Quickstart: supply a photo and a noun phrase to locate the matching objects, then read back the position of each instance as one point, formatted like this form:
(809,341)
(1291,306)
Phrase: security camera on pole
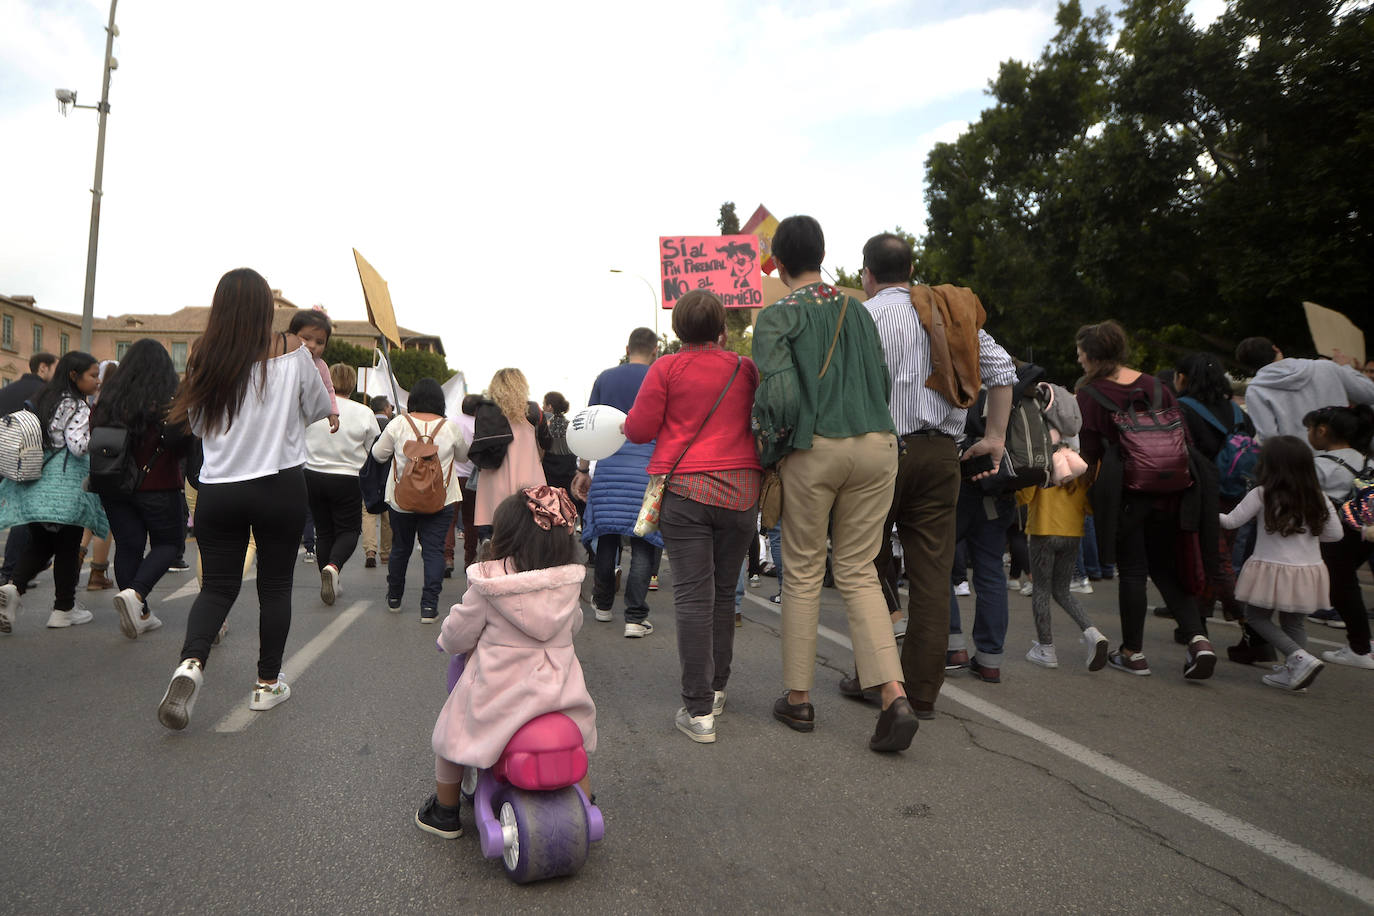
(67,97)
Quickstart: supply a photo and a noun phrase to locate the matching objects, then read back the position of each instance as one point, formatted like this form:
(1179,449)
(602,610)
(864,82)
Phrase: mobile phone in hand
(971,468)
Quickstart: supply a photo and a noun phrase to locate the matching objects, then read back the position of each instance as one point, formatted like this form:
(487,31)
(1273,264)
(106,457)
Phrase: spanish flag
(763,224)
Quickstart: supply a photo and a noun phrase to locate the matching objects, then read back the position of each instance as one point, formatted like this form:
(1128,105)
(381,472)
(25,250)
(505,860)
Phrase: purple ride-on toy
(529,809)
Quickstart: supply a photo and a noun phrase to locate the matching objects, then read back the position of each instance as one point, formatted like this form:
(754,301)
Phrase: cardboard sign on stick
(1333,334)
(727,265)
(378,299)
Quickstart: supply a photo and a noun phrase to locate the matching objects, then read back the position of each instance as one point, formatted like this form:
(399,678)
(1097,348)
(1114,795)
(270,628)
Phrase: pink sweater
(676,396)
(328,384)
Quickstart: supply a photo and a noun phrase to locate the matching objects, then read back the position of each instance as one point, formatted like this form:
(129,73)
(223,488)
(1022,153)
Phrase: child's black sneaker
(440,820)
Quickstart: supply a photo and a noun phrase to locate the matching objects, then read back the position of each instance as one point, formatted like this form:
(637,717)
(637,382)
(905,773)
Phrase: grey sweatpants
(1052,558)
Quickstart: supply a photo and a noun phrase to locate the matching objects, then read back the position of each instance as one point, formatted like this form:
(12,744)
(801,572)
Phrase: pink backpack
(1154,447)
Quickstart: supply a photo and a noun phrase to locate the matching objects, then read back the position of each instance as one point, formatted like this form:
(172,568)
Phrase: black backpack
(1027,461)
(114,471)
(491,436)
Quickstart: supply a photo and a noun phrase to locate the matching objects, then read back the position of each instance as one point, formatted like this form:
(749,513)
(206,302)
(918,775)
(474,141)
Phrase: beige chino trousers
(851,480)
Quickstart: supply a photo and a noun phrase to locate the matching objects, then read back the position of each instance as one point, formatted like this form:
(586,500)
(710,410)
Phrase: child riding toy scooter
(529,809)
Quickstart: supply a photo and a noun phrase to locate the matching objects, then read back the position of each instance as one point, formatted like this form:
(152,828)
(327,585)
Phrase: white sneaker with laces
(1081,586)
(147,624)
(1347,656)
(129,607)
(73,618)
(636,630)
(9,607)
(1303,668)
(1043,655)
(1098,647)
(605,616)
(1281,678)
(329,584)
(962,590)
(1013,585)
(1027,587)
(701,729)
(175,709)
(265,696)
(718,703)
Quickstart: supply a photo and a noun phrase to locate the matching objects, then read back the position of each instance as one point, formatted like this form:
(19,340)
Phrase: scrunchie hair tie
(550,506)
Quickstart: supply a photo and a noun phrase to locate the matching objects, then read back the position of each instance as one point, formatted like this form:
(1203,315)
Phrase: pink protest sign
(727,265)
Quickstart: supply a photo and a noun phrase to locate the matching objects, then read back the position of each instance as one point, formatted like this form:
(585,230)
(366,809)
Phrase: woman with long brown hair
(249,394)
(1137,529)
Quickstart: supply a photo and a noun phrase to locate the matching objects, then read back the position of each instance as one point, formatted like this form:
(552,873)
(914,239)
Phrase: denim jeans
(431,530)
(985,538)
(151,517)
(636,583)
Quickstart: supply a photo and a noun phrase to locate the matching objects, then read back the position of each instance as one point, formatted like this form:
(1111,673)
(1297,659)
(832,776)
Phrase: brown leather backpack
(421,487)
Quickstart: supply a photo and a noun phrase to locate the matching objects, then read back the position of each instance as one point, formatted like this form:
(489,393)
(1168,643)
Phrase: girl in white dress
(1286,575)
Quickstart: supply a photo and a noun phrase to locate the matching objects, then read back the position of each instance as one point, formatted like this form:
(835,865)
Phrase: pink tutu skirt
(1284,587)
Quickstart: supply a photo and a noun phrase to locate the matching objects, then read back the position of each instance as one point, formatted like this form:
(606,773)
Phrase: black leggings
(273,510)
(336,504)
(63,547)
(1147,544)
(1343,561)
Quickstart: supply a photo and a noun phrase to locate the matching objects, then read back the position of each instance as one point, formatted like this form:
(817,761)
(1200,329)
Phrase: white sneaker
(147,624)
(1081,586)
(701,729)
(1281,678)
(718,703)
(9,607)
(129,607)
(962,590)
(636,630)
(1303,668)
(1347,656)
(1042,655)
(1013,585)
(329,584)
(175,709)
(265,696)
(754,581)
(605,616)
(1098,647)
(899,629)
(73,618)
(1027,587)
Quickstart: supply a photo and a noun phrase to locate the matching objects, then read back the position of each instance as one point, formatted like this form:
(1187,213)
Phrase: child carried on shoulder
(515,624)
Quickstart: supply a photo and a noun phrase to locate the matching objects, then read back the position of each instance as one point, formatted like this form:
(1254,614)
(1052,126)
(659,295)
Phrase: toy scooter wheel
(544,833)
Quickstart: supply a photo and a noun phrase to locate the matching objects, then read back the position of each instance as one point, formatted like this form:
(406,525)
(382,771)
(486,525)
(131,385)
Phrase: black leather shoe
(897,725)
(800,716)
(850,687)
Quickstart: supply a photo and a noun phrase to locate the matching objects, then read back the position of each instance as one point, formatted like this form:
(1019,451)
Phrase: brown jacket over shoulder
(952,317)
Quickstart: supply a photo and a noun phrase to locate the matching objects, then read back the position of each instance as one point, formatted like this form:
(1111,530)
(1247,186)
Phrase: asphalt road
(1056,791)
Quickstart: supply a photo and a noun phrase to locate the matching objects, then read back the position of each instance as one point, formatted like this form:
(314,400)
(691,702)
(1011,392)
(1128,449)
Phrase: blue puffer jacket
(617,493)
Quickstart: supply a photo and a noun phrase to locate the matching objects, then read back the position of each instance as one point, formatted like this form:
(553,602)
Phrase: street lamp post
(66,97)
(653,294)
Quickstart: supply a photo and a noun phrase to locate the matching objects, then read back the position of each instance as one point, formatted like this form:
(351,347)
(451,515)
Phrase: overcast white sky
(492,161)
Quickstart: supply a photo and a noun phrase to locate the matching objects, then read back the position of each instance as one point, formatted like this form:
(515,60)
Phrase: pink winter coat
(520,469)
(517,629)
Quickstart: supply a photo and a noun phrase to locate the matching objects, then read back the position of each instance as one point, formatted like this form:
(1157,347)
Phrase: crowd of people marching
(873,442)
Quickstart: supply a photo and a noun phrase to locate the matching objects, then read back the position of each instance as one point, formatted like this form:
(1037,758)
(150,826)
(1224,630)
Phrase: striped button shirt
(906,347)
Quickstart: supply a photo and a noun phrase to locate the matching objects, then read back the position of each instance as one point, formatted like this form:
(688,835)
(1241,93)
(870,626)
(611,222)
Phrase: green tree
(728,221)
(1196,185)
(412,365)
(341,351)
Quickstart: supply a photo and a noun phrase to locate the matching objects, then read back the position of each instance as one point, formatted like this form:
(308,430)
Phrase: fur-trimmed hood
(538,603)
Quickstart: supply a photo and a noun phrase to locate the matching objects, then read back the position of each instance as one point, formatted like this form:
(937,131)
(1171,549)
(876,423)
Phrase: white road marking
(1332,874)
(293,667)
(193,588)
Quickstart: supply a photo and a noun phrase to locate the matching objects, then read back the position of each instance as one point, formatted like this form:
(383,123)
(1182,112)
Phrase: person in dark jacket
(1201,379)
(12,398)
(137,399)
(1143,529)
